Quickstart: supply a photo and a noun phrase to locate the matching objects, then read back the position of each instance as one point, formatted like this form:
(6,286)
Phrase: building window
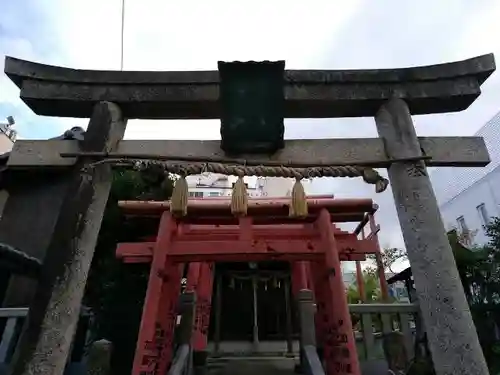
(483,214)
(462,226)
(196,194)
(213,194)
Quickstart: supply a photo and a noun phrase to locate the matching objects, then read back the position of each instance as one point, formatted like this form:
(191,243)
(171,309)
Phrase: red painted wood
(310,282)
(384,289)
(340,347)
(142,252)
(360,282)
(217,219)
(203,307)
(167,316)
(256,207)
(314,250)
(322,318)
(153,351)
(193,276)
(298,277)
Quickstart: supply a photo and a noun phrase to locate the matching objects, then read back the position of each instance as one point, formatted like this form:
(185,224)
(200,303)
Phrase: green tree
(372,288)
(391,255)
(115,291)
(479,270)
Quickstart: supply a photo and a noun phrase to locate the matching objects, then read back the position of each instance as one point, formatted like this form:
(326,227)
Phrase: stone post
(99,357)
(51,323)
(187,319)
(306,316)
(452,337)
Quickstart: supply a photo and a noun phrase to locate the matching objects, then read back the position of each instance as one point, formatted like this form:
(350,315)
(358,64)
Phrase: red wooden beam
(209,250)
(256,207)
(221,219)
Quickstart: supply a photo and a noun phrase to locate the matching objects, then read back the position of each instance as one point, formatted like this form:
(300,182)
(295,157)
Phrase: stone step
(250,365)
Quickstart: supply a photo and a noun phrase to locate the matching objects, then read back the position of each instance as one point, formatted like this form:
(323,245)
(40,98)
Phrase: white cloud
(322,34)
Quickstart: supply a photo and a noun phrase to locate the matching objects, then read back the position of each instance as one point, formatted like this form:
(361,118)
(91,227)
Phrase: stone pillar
(452,337)
(99,358)
(51,323)
(306,316)
(305,304)
(187,318)
(255,315)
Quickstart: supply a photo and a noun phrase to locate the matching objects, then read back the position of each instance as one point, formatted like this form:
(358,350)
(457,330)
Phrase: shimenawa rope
(239,198)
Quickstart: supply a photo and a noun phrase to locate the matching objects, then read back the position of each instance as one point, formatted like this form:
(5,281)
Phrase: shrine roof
(217,211)
(58,91)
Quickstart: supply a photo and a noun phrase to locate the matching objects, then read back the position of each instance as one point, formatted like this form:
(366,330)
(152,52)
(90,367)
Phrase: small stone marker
(98,362)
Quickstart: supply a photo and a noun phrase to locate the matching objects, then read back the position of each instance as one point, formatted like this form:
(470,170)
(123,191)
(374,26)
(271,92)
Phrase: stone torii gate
(109,98)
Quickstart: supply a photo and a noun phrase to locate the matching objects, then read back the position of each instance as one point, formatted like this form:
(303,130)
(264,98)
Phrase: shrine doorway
(255,302)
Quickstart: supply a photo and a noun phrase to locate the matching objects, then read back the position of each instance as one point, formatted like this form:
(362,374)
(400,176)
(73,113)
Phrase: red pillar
(321,318)
(340,347)
(310,280)
(360,281)
(193,276)
(384,289)
(299,277)
(154,344)
(203,307)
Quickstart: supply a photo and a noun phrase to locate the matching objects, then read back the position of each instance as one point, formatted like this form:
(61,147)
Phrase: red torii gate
(210,233)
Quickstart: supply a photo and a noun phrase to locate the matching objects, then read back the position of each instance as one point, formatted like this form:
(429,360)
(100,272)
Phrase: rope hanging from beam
(239,198)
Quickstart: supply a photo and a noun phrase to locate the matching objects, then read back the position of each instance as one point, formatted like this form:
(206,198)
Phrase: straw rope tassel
(298,205)
(239,198)
(179,200)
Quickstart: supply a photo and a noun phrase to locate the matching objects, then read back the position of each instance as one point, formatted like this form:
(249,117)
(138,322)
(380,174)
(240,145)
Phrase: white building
(7,135)
(217,185)
(396,290)
(469,197)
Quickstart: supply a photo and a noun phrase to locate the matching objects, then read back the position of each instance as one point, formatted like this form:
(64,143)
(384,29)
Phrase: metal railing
(11,320)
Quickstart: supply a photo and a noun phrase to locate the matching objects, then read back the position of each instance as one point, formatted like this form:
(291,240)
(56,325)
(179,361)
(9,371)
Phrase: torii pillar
(452,335)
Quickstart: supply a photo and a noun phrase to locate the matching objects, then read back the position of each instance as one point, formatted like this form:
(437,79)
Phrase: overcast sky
(194,35)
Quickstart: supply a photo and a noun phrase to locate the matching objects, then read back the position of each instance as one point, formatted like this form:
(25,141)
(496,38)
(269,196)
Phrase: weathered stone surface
(395,351)
(16,261)
(452,337)
(445,151)
(28,194)
(57,91)
(99,357)
(53,315)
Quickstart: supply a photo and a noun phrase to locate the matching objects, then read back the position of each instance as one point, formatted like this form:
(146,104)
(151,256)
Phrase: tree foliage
(115,291)
(372,289)
(391,255)
(479,270)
